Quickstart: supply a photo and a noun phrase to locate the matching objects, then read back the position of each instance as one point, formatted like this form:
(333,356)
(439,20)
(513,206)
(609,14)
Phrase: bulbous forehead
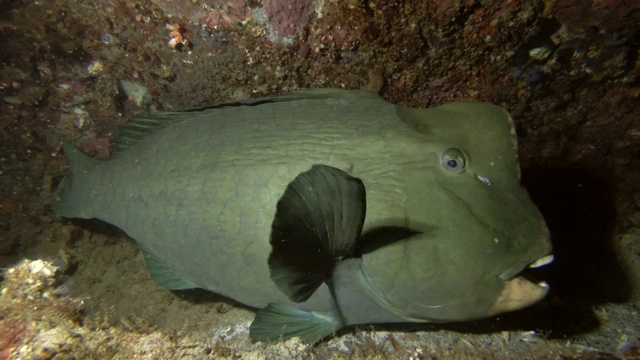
(485,133)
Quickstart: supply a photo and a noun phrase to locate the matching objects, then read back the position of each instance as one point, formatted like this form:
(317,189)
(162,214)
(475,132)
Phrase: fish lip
(519,293)
(522,290)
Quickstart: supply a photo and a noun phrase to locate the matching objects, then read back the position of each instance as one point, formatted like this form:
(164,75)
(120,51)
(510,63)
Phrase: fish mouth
(523,290)
(529,272)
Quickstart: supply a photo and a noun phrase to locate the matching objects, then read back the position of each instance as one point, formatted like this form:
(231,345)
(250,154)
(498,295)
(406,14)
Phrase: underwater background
(567,71)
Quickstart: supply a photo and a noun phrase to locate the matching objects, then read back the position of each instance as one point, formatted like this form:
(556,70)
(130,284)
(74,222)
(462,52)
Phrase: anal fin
(281,321)
(165,275)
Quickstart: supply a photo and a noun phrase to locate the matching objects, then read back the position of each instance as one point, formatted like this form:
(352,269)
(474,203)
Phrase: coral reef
(39,323)
(32,314)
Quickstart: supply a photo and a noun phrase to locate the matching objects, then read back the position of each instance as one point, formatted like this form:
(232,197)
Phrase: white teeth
(541,262)
(543,284)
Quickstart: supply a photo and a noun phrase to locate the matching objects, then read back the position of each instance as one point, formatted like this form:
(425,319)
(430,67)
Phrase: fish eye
(453,159)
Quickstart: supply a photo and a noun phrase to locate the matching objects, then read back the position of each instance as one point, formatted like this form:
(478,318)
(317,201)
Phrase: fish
(324,208)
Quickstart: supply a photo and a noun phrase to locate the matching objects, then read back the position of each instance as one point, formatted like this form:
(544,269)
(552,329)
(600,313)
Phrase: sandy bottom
(592,307)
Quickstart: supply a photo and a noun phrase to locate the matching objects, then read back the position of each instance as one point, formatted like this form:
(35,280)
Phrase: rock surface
(567,70)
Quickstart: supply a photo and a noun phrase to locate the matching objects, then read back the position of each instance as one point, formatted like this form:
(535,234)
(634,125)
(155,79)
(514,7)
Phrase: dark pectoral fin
(279,321)
(318,220)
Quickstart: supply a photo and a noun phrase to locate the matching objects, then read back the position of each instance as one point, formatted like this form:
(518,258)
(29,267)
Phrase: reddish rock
(608,15)
(226,14)
(285,17)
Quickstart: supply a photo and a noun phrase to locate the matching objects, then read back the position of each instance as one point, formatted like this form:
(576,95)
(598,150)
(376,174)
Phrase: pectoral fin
(318,221)
(280,321)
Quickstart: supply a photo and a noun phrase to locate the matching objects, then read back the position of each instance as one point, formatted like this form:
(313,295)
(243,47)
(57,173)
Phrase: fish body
(434,224)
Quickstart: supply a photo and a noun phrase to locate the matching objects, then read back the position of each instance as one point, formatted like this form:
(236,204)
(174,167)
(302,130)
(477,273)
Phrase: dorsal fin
(318,221)
(138,128)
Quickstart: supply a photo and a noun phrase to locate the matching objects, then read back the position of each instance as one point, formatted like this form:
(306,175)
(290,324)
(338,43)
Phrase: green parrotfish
(325,208)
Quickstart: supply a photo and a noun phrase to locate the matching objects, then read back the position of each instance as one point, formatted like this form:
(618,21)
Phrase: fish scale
(227,219)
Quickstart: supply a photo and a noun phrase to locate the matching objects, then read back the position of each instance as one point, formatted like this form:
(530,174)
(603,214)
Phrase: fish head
(474,228)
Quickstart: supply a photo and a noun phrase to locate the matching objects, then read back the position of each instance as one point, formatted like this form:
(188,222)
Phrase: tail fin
(73,201)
